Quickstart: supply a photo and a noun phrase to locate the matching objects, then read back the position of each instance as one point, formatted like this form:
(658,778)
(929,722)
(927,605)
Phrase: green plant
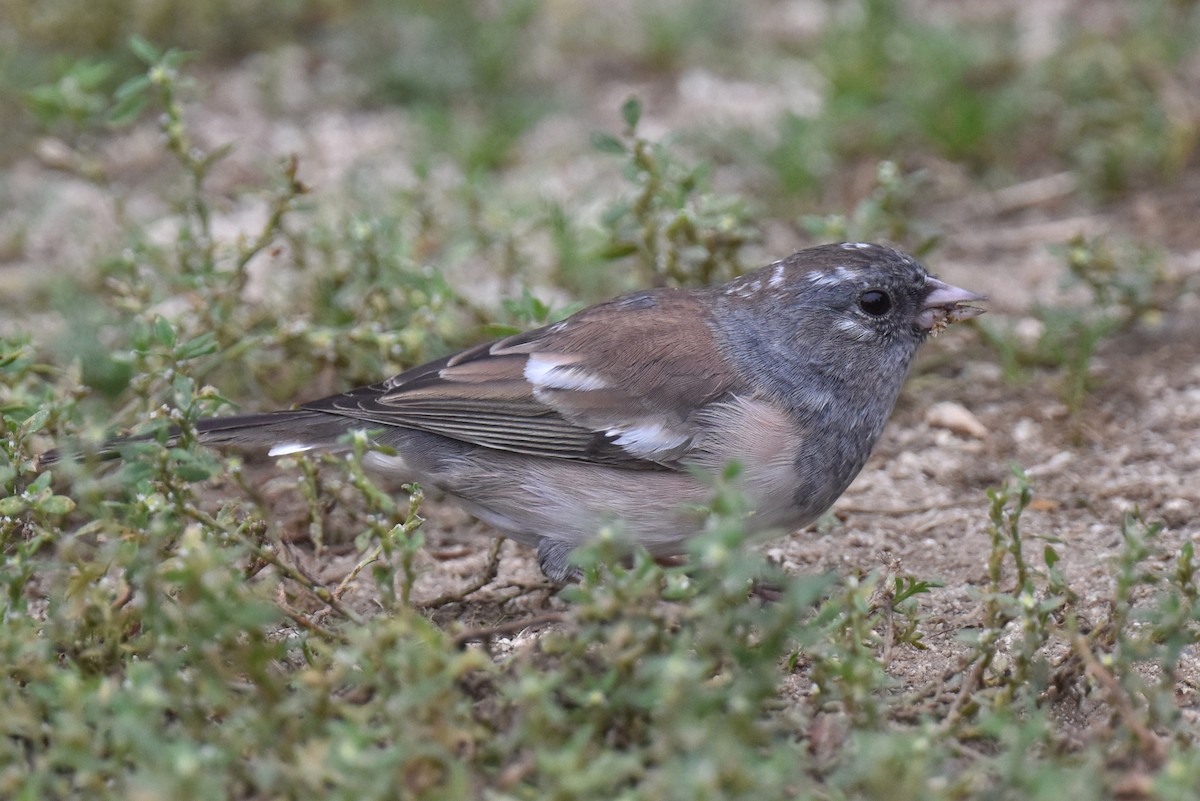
(895,82)
(1116,114)
(371,310)
(674,33)
(886,214)
(460,65)
(78,99)
(1128,286)
(678,230)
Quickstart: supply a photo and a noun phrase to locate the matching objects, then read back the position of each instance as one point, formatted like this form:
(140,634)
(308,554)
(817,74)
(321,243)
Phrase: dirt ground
(921,499)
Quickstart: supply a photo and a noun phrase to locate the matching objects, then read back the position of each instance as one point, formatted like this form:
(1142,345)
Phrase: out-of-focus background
(214,205)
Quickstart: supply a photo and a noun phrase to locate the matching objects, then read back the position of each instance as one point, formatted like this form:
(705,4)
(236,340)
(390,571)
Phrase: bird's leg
(554,558)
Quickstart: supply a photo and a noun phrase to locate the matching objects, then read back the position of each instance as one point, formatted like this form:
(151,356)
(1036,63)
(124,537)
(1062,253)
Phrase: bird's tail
(278,433)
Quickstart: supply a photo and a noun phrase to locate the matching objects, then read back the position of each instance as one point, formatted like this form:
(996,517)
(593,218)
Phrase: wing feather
(592,388)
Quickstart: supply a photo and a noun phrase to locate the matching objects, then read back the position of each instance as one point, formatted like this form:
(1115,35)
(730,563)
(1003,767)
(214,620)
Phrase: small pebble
(1026,431)
(1178,512)
(955,417)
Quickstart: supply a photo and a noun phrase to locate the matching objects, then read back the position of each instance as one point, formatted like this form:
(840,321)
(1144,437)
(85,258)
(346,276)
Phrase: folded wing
(593,387)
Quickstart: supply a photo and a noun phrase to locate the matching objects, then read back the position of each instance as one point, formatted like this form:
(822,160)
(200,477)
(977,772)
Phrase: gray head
(848,315)
(830,333)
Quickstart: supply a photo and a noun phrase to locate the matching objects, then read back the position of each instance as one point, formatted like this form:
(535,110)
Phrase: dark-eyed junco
(615,414)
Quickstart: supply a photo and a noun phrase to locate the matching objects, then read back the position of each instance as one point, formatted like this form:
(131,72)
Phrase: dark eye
(875,302)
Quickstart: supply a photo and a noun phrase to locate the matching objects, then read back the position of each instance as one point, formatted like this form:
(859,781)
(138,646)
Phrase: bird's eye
(875,302)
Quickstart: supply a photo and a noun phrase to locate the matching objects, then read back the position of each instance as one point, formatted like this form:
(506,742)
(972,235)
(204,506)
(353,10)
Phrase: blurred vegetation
(164,635)
(1108,104)
(219,28)
(62,58)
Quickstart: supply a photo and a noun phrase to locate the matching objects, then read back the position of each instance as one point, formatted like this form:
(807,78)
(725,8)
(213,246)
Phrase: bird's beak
(943,305)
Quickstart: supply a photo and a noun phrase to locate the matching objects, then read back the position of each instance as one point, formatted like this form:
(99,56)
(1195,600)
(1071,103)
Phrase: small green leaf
(199,346)
(35,421)
(13,504)
(163,332)
(90,75)
(145,51)
(134,86)
(176,58)
(618,250)
(188,467)
(631,112)
(40,484)
(130,102)
(612,216)
(56,505)
(607,143)
(1051,604)
(193,473)
(184,387)
(218,153)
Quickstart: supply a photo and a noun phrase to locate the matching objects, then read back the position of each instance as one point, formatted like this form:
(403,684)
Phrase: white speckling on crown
(744,287)
(776,276)
(839,276)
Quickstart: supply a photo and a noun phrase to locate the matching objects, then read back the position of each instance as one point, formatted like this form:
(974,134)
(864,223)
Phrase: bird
(623,413)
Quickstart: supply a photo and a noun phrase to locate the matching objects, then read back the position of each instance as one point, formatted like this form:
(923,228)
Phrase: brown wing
(616,383)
